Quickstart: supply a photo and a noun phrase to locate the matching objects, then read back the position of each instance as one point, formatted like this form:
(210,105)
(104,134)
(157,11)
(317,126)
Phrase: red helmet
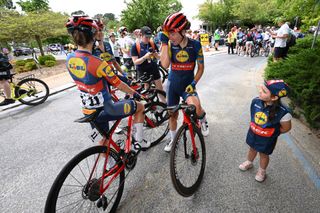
(100,23)
(176,22)
(83,23)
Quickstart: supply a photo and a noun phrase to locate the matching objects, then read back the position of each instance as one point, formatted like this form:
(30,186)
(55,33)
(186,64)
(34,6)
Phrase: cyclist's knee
(140,107)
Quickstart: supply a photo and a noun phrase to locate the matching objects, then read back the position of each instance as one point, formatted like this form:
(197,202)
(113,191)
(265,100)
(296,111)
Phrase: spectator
(217,37)
(5,68)
(115,46)
(280,36)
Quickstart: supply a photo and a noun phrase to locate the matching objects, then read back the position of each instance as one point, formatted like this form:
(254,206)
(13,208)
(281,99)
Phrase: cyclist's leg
(194,100)
(6,88)
(173,99)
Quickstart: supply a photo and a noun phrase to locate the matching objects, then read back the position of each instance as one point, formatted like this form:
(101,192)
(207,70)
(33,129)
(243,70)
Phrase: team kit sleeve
(105,71)
(134,51)
(199,52)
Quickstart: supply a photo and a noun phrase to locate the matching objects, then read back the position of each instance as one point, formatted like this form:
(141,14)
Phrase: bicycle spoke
(82,173)
(70,204)
(70,193)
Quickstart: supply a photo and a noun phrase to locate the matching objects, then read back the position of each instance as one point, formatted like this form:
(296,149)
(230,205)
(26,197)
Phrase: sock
(139,131)
(203,118)
(173,134)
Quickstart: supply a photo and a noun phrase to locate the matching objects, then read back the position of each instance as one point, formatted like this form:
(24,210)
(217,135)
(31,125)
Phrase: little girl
(269,119)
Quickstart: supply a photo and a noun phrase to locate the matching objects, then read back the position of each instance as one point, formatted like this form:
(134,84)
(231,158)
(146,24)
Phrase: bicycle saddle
(89,117)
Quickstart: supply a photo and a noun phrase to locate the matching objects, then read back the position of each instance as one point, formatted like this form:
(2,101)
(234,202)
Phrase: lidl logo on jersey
(260,118)
(282,93)
(108,71)
(77,67)
(182,56)
(126,108)
(106,56)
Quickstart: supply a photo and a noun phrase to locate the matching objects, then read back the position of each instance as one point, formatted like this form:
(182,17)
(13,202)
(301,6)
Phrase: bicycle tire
(181,188)
(51,202)
(31,91)
(160,119)
(163,74)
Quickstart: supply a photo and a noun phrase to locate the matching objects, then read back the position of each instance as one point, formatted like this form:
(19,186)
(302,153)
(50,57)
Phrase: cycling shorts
(176,90)
(115,111)
(249,42)
(5,75)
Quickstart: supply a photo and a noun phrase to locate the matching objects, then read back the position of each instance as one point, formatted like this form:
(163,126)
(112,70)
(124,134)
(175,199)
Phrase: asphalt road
(36,142)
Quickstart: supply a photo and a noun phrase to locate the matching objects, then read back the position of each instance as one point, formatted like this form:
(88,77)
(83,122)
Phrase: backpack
(139,47)
(291,41)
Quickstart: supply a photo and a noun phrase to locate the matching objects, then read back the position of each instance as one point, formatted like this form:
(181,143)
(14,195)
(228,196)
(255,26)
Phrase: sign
(204,39)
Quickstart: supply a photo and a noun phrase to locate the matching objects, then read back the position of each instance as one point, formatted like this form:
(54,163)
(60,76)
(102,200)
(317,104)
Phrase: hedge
(301,70)
(50,63)
(43,59)
(30,66)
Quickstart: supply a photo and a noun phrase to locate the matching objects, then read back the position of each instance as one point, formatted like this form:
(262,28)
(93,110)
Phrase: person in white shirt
(115,46)
(280,36)
(125,44)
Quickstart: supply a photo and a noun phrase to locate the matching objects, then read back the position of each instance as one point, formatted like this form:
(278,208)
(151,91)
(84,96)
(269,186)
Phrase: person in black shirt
(145,55)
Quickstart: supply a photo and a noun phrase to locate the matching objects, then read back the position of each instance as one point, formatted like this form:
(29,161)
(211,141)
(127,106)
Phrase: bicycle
(155,127)
(188,145)
(29,90)
(94,178)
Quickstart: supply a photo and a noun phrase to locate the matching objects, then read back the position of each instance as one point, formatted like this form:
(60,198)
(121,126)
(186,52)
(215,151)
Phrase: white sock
(203,120)
(139,131)
(173,134)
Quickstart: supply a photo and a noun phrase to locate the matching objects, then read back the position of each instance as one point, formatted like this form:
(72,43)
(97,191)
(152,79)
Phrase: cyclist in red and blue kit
(181,54)
(93,75)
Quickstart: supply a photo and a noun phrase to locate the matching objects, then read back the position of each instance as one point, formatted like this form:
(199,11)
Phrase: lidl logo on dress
(182,56)
(77,67)
(260,118)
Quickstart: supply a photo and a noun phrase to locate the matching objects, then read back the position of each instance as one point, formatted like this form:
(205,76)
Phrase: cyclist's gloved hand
(164,37)
(138,97)
(191,87)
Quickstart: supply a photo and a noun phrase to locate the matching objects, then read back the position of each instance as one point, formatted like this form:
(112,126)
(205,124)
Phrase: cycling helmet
(100,24)
(176,22)
(82,23)
(122,29)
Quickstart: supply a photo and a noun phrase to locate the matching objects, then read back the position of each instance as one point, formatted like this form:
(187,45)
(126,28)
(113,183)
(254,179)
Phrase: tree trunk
(39,44)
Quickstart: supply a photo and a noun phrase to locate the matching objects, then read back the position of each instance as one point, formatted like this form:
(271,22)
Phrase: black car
(21,51)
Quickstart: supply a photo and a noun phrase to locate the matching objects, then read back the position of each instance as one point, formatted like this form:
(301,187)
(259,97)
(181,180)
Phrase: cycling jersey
(107,55)
(181,74)
(263,133)
(92,76)
(249,37)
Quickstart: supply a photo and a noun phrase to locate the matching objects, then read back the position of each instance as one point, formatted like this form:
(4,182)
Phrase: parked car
(21,51)
(54,47)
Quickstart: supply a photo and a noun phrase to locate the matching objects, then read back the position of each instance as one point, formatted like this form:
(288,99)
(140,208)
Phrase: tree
(151,13)
(109,16)
(78,12)
(34,5)
(33,25)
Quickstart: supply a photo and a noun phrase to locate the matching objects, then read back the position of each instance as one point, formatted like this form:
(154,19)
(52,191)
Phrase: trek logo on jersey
(260,118)
(77,67)
(264,132)
(126,108)
(182,56)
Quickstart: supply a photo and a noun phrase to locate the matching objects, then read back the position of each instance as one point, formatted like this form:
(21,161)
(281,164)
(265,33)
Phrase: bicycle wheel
(187,170)
(156,125)
(32,91)
(163,74)
(72,191)
(267,52)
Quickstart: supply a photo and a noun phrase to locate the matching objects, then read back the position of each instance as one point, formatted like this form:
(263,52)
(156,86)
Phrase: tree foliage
(251,12)
(34,5)
(31,26)
(151,13)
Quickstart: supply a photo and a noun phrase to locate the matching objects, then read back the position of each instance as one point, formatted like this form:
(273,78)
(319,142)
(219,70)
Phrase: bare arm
(164,56)
(138,61)
(125,88)
(285,126)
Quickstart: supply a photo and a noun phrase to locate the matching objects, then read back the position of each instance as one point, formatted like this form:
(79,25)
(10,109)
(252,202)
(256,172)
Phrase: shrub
(30,66)
(20,62)
(301,70)
(50,63)
(43,59)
